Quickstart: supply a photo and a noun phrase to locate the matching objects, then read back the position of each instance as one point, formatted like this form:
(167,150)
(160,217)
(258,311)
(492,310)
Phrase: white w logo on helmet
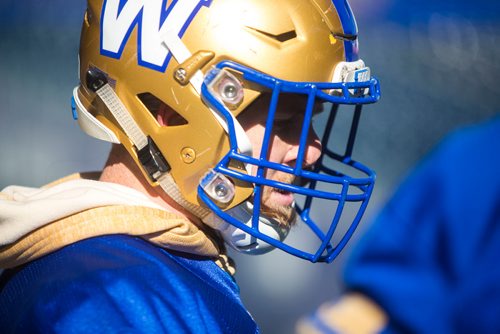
(119,17)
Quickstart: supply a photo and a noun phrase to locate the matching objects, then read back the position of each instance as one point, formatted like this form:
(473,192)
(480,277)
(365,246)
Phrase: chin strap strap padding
(149,155)
(168,185)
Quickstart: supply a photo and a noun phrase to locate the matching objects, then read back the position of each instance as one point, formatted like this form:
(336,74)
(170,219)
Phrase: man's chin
(279,204)
(285,215)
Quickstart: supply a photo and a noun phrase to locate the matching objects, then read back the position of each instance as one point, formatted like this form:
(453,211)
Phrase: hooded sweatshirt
(96,257)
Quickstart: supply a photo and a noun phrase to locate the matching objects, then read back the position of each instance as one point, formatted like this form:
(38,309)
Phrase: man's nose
(312,150)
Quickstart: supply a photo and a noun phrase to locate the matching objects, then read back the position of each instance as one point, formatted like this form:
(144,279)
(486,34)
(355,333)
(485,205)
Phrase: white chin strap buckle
(241,240)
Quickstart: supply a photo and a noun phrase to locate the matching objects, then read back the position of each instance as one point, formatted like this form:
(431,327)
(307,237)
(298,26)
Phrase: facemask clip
(227,88)
(218,187)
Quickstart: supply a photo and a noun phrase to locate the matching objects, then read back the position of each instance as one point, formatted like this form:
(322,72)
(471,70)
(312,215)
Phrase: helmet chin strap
(143,144)
(233,236)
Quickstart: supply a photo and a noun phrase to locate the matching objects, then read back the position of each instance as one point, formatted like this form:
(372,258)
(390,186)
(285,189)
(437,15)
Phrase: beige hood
(38,221)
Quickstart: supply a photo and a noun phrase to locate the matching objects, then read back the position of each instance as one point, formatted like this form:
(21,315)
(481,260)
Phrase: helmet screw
(188,155)
(221,190)
(180,75)
(230,91)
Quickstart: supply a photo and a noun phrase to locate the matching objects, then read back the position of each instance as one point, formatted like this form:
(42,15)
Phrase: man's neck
(120,168)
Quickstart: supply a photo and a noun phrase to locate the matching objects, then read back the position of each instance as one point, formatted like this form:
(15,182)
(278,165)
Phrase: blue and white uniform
(121,284)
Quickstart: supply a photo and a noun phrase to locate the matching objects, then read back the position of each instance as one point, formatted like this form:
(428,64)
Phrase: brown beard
(285,215)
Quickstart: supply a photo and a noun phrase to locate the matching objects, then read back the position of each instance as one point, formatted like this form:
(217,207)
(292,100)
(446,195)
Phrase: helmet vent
(345,37)
(162,113)
(283,37)
(87,19)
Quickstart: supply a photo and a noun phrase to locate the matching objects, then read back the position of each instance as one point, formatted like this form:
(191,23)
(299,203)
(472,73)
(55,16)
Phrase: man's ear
(167,116)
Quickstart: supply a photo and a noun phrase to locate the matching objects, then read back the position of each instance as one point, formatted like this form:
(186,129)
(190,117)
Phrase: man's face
(284,148)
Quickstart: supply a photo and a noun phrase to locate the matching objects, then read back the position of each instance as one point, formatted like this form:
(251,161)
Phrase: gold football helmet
(207,61)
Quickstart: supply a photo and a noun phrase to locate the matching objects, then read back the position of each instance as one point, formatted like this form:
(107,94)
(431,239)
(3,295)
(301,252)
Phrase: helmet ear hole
(162,113)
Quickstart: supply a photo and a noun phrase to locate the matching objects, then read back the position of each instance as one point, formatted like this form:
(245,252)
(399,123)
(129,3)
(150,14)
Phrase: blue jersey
(121,284)
(431,259)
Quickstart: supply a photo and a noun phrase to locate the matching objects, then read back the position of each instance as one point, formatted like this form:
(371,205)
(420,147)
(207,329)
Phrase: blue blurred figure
(429,263)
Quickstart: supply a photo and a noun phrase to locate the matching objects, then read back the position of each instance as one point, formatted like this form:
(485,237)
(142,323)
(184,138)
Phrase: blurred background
(438,63)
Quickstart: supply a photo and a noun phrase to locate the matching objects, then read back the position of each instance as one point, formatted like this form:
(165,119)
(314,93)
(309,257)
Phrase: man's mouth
(281,197)
(281,191)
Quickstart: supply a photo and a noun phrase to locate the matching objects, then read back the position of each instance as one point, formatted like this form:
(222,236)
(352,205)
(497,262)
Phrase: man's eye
(283,122)
(319,108)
